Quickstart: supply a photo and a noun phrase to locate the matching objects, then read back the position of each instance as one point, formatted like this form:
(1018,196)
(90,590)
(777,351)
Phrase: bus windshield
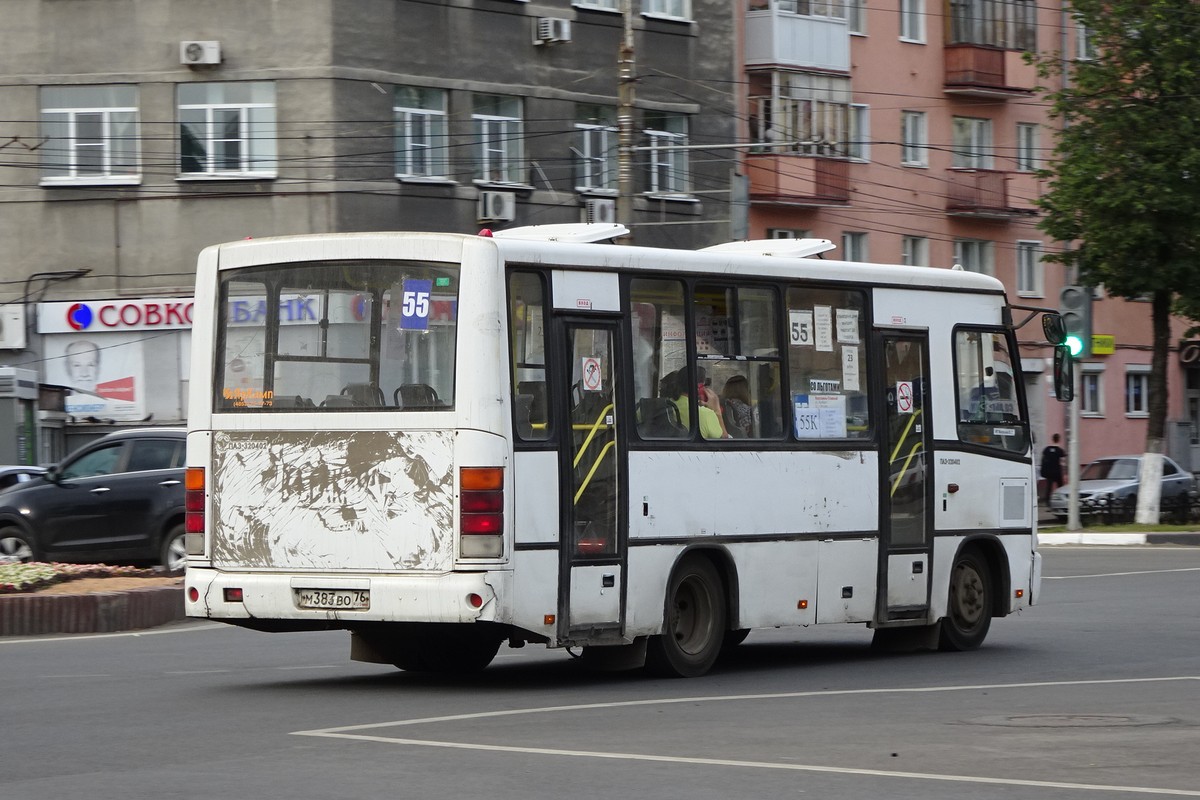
(376,335)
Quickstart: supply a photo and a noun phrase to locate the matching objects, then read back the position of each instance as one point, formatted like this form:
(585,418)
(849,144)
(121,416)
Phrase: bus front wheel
(693,622)
(969,610)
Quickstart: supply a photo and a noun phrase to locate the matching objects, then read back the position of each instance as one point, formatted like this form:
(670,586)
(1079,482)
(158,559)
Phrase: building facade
(912,132)
(137,132)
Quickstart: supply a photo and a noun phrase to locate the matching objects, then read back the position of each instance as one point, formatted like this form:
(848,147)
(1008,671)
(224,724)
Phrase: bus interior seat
(364,394)
(337,401)
(416,395)
(536,391)
(658,418)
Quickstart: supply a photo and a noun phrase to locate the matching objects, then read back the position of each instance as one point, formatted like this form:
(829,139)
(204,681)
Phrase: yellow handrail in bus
(595,466)
(595,426)
(896,452)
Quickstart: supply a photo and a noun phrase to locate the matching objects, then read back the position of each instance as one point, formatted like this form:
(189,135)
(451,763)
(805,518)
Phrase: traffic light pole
(1073,523)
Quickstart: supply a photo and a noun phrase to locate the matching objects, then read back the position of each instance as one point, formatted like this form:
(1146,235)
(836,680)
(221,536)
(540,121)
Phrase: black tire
(172,554)
(969,606)
(16,545)
(693,622)
(445,649)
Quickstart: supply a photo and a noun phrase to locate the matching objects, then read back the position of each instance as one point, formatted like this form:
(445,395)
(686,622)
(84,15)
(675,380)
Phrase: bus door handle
(918,567)
(608,581)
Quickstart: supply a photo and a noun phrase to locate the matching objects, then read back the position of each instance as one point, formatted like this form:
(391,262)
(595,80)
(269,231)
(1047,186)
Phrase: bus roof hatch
(579,232)
(784,248)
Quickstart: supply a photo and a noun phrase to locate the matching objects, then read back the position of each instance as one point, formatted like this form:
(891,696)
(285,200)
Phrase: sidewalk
(1085,536)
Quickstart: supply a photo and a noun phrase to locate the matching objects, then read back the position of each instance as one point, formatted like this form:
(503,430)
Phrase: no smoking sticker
(904,397)
(593,375)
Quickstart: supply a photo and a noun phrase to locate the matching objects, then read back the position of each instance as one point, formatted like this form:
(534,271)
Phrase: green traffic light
(1075,344)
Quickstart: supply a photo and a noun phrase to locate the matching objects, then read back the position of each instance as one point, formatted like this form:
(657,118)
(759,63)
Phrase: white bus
(443,443)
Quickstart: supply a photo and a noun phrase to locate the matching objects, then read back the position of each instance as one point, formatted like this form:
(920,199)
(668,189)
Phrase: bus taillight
(481,510)
(193,504)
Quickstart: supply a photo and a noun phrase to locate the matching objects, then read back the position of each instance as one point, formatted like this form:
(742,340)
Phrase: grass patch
(1129,527)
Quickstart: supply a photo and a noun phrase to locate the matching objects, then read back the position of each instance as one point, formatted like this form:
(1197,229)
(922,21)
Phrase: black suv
(118,499)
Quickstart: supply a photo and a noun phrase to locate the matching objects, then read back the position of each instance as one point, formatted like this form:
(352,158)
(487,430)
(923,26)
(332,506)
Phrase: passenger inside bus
(675,386)
(738,413)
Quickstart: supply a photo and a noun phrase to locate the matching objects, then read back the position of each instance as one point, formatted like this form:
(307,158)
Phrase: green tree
(1125,182)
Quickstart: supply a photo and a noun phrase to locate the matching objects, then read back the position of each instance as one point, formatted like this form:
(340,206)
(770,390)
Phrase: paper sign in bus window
(414,305)
(847,326)
(823,322)
(800,328)
(850,368)
(820,416)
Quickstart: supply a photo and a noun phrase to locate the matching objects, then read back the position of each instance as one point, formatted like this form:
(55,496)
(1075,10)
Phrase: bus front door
(906,481)
(591,587)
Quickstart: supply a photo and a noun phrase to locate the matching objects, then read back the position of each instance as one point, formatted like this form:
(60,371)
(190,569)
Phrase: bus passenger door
(907,475)
(591,588)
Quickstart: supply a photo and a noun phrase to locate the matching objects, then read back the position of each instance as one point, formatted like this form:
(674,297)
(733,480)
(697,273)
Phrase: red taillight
(193,499)
(481,500)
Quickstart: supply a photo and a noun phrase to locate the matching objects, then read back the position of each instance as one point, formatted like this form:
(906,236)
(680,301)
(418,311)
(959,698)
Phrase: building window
(854,246)
(667,162)
(595,148)
(810,113)
(815,8)
(498,133)
(602,5)
(421,142)
(859,147)
(975,255)
(856,16)
(787,233)
(913,138)
(1137,390)
(1091,390)
(227,129)
(914,251)
(1085,42)
(1027,147)
(1029,269)
(912,20)
(675,9)
(89,134)
(1011,24)
(972,143)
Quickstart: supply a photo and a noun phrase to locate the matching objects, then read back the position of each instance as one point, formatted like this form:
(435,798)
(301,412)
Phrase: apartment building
(912,132)
(137,132)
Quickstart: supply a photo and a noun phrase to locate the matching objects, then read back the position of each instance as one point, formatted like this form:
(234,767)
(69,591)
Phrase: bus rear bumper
(438,597)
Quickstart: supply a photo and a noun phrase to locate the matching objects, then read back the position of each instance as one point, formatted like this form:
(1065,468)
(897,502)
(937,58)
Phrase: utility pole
(625,129)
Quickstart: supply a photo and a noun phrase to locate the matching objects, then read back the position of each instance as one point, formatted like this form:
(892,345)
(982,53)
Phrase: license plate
(333,599)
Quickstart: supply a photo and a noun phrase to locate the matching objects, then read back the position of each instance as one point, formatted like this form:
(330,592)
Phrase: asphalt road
(1093,693)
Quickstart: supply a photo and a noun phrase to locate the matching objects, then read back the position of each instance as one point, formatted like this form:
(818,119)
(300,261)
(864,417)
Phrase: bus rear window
(317,336)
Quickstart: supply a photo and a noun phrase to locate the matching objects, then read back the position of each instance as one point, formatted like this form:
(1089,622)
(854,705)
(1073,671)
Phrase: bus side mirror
(1054,328)
(1064,374)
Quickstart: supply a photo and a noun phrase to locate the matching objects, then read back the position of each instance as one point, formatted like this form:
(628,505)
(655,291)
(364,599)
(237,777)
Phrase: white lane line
(1119,574)
(70,677)
(726,762)
(345,732)
(87,637)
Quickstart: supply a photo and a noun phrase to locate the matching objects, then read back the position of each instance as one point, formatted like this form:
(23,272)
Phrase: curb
(1090,537)
(99,612)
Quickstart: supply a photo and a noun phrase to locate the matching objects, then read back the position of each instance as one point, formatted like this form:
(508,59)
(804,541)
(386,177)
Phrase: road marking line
(1119,574)
(85,637)
(725,762)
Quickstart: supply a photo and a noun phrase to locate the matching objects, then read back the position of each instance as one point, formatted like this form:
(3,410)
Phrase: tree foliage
(1125,183)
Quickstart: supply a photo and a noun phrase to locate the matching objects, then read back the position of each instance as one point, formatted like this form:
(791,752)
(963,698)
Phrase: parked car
(1108,481)
(15,475)
(118,499)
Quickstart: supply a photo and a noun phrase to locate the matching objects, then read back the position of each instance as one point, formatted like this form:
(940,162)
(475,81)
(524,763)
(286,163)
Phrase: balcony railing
(985,193)
(791,179)
(974,70)
(780,38)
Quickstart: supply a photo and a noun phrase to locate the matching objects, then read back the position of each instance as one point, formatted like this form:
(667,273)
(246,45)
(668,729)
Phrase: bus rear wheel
(693,622)
(969,610)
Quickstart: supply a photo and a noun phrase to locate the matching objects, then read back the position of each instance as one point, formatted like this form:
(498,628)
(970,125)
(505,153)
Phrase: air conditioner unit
(551,30)
(600,209)
(496,207)
(12,327)
(199,53)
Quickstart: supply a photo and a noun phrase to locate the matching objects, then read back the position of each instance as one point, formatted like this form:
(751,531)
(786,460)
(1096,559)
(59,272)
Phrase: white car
(1107,482)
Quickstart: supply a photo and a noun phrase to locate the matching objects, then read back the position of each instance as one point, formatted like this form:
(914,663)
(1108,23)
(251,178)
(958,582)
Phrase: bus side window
(827,357)
(527,351)
(658,333)
(989,409)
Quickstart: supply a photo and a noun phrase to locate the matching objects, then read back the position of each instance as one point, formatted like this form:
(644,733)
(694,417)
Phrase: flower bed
(31,576)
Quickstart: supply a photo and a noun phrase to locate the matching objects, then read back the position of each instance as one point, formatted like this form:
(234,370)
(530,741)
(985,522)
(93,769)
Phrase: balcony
(798,180)
(985,194)
(780,38)
(977,71)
